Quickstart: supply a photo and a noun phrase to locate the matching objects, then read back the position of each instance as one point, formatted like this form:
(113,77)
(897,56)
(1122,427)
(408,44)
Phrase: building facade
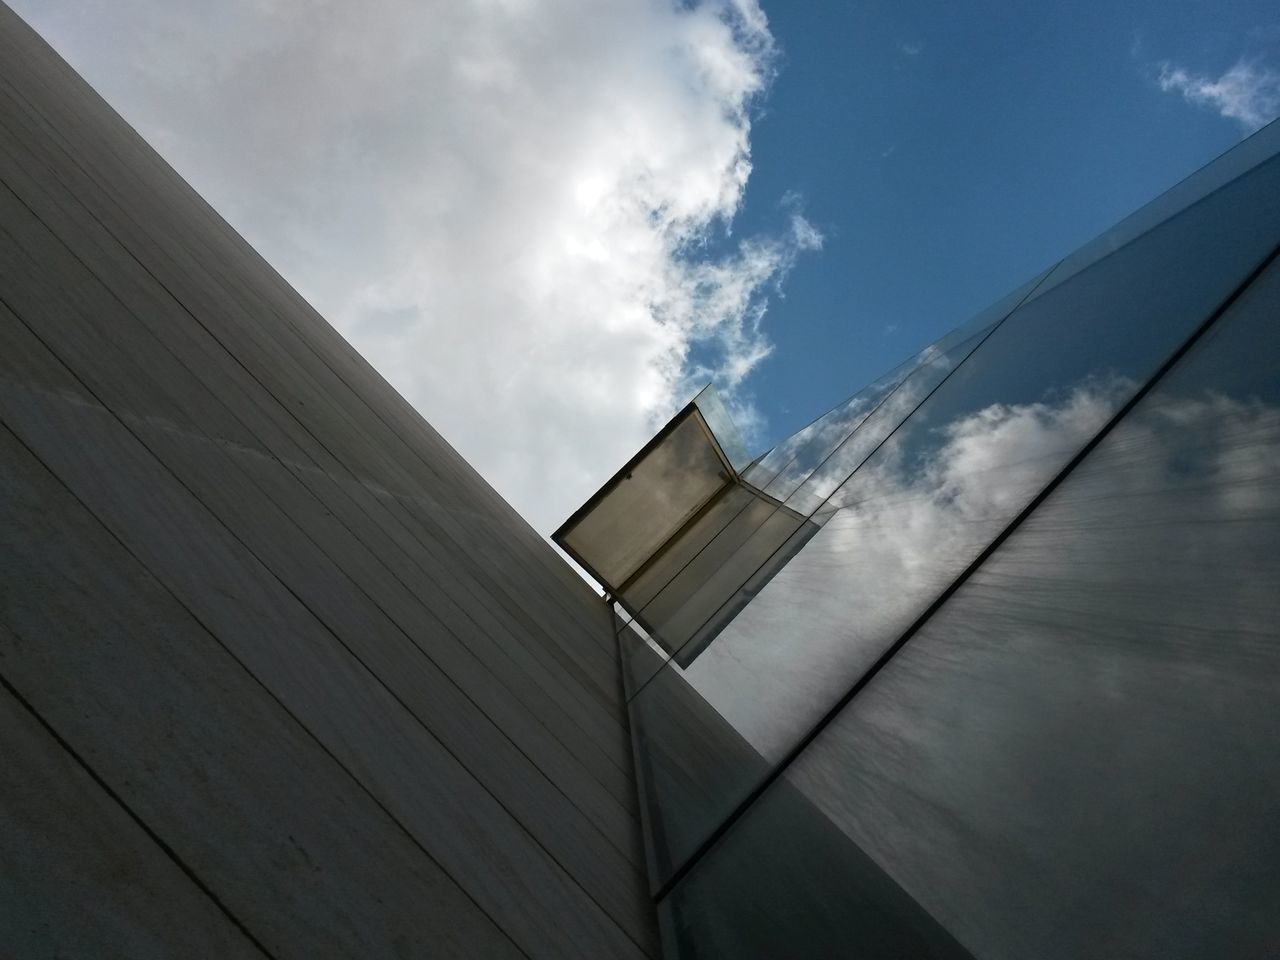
(982,663)
(985,661)
(280,675)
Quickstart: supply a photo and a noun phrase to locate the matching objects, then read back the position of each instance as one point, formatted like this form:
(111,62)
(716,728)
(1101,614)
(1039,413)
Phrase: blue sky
(948,152)
(515,209)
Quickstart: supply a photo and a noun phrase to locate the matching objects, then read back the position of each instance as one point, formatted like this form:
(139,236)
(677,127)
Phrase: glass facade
(1074,756)
(985,661)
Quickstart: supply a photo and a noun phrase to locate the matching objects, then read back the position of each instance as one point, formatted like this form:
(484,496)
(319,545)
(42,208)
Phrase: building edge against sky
(984,661)
(280,674)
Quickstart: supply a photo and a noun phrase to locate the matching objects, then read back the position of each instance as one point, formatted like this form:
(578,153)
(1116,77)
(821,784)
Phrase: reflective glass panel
(659,611)
(791,462)
(1076,755)
(1241,158)
(886,418)
(786,882)
(642,507)
(940,489)
(722,427)
(756,544)
(642,588)
(712,594)
(685,753)
(640,657)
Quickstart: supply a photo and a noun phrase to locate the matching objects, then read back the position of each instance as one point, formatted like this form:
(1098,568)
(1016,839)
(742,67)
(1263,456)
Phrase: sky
(548,224)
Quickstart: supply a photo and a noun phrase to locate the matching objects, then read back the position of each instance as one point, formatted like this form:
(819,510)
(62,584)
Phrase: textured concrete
(281,673)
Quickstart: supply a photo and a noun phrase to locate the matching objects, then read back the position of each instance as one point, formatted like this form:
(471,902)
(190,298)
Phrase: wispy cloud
(1248,93)
(517,210)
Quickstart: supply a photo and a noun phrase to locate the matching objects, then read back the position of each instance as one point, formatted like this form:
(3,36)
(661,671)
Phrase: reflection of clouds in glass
(790,463)
(936,363)
(912,525)
(825,477)
(1014,440)
(1201,477)
(797,457)
(1042,749)
(1243,463)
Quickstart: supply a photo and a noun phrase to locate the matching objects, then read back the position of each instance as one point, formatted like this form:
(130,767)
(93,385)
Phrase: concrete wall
(281,674)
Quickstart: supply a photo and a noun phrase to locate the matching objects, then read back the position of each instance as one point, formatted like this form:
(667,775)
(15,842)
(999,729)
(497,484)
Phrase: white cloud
(1247,93)
(507,206)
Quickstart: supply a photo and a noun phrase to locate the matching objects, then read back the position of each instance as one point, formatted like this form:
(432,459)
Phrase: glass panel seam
(780,768)
(991,332)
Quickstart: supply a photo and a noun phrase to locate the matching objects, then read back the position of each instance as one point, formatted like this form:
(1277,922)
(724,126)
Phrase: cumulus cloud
(1247,93)
(518,211)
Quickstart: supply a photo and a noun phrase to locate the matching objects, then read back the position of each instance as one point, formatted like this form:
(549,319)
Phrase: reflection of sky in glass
(834,471)
(940,489)
(722,427)
(810,468)
(828,445)
(947,482)
(1075,756)
(904,540)
(1087,729)
(787,464)
(649,503)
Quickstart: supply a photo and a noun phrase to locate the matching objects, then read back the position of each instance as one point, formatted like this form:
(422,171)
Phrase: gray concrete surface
(281,673)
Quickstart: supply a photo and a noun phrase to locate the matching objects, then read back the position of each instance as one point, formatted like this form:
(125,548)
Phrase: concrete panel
(64,841)
(284,642)
(298,851)
(122,218)
(267,504)
(390,715)
(146,197)
(246,420)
